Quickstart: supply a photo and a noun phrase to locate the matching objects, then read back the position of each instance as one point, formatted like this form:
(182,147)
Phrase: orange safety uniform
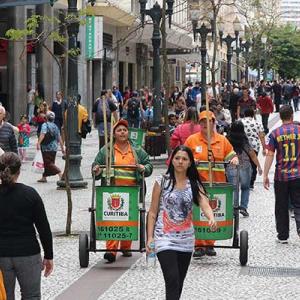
(222,151)
(125,177)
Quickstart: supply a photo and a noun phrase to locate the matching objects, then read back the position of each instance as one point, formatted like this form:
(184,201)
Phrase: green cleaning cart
(117,215)
(226,212)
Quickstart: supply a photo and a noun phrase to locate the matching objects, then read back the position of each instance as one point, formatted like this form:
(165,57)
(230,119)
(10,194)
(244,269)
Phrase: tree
(261,17)
(285,51)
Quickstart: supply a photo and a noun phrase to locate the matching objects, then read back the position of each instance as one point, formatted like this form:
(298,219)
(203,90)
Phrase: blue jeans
(245,178)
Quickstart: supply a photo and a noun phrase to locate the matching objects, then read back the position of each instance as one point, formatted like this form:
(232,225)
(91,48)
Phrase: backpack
(49,136)
(99,113)
(133,110)
(189,99)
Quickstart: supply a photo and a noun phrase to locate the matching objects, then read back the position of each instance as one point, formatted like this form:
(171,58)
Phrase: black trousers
(174,265)
(277,101)
(254,171)
(265,120)
(285,190)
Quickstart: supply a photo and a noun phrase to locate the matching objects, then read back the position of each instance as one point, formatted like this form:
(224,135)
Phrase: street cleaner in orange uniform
(123,153)
(221,151)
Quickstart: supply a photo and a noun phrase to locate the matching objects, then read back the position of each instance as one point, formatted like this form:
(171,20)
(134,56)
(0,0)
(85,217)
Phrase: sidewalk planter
(155,143)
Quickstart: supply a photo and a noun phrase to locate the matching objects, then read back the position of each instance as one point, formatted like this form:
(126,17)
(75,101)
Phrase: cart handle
(120,166)
(199,162)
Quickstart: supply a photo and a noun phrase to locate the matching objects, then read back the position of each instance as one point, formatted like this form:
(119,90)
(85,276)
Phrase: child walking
(23,140)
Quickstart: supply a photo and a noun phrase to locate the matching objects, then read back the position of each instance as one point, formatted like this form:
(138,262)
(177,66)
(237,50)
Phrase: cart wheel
(83,250)
(243,247)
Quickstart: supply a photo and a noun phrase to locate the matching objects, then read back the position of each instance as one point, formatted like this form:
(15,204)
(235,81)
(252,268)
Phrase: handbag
(86,128)
(2,288)
(38,163)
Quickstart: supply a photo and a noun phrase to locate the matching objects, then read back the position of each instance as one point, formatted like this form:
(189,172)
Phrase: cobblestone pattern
(218,277)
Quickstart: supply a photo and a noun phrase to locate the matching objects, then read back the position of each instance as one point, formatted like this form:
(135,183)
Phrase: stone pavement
(209,278)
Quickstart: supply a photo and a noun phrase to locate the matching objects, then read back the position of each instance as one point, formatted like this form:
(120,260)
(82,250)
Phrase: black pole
(75,177)
(246,46)
(228,40)
(237,51)
(155,13)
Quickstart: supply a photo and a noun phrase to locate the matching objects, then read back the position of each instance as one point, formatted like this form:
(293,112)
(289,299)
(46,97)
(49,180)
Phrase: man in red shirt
(266,107)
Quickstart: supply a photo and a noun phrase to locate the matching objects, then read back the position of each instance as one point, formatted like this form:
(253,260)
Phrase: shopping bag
(2,288)
(38,163)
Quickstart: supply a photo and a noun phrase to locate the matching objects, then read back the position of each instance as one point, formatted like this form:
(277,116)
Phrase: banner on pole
(94,37)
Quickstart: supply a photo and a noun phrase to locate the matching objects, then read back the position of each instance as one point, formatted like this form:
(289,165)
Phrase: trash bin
(117,212)
(221,202)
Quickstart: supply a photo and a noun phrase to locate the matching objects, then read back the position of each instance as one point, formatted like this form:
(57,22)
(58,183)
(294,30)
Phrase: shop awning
(113,14)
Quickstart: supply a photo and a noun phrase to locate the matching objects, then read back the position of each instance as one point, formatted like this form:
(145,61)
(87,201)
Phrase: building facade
(290,11)
(123,56)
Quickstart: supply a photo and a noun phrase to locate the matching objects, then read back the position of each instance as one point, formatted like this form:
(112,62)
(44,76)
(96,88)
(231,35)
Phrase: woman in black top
(21,211)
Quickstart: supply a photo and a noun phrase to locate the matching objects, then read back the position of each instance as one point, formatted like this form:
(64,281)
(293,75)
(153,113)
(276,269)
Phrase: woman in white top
(170,224)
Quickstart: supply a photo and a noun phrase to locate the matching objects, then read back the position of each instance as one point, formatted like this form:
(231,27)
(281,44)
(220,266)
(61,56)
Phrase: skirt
(49,163)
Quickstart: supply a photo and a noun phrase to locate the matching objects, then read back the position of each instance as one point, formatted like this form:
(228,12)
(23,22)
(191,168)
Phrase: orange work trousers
(200,243)
(113,245)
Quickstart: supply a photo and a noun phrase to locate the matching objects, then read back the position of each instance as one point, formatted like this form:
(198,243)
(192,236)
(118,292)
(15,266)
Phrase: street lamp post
(203,31)
(246,46)
(264,42)
(74,173)
(237,30)
(156,15)
(228,40)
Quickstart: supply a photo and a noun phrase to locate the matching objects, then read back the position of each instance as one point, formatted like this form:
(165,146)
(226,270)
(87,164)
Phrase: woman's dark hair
(192,115)
(249,112)
(10,165)
(237,137)
(191,173)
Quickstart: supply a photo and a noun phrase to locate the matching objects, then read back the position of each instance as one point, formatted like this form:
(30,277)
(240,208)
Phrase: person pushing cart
(209,146)
(122,153)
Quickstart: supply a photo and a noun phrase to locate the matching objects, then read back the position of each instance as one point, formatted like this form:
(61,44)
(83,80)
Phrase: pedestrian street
(268,274)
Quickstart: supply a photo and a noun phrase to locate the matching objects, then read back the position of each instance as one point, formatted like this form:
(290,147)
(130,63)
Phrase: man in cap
(221,151)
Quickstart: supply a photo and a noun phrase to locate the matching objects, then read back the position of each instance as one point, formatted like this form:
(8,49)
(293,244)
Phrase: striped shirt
(285,140)
(8,141)
(124,176)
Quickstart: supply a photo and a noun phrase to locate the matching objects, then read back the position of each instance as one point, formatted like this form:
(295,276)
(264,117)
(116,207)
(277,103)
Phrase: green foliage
(74,52)
(285,52)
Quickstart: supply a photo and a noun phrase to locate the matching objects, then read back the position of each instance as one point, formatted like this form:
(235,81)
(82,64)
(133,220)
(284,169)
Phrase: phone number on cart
(116,232)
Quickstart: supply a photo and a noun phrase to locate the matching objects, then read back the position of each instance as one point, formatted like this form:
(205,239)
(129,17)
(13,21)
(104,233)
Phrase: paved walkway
(209,278)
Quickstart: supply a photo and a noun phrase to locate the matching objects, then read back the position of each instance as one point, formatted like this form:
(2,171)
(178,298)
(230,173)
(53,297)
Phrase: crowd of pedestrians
(229,131)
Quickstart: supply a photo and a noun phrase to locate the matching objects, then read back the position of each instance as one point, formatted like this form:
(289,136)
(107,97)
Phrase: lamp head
(142,10)
(170,10)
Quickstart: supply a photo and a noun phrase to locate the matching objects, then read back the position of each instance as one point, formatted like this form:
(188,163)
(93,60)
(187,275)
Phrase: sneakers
(243,211)
(199,252)
(109,257)
(282,241)
(127,253)
(210,251)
